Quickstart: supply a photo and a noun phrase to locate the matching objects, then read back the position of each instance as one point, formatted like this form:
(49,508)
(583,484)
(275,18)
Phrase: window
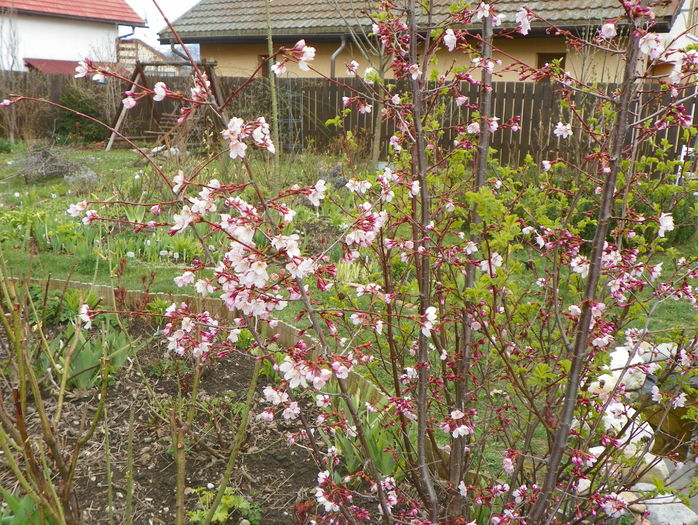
(547,58)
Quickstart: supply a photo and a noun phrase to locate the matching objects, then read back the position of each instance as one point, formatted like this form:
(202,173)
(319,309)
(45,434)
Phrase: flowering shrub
(503,316)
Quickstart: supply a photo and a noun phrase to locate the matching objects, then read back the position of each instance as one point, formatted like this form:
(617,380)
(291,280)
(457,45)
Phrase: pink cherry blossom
(75,210)
(84,316)
(651,45)
(608,31)
(483,11)
(279,68)
(317,193)
(523,19)
(450,39)
(159,91)
(129,102)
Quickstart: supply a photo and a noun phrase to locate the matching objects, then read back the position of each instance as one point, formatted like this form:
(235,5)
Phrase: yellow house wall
(243,59)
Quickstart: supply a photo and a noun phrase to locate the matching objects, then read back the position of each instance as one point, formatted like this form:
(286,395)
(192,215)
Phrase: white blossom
(523,18)
(563,130)
(450,39)
(608,31)
(666,224)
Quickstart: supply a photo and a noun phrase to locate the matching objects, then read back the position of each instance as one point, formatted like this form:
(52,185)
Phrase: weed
(20,511)
(231,504)
(168,368)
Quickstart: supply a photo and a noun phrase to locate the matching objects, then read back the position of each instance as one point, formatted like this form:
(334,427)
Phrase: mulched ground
(269,471)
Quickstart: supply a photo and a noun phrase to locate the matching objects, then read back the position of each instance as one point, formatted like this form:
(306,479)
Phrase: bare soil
(269,471)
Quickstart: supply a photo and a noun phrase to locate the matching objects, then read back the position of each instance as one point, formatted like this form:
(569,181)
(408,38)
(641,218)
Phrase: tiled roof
(116,11)
(231,19)
(58,67)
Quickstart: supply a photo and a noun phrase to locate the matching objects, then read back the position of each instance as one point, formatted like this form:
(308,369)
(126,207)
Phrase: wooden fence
(306,104)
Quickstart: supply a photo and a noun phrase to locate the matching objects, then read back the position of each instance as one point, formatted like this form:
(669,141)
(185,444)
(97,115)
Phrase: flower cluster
(299,53)
(189,333)
(237,131)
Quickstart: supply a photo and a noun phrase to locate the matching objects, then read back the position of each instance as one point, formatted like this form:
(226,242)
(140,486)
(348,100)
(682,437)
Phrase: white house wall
(684,31)
(26,36)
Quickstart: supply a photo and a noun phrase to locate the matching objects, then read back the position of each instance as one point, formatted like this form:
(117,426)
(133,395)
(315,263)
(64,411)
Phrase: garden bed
(270,474)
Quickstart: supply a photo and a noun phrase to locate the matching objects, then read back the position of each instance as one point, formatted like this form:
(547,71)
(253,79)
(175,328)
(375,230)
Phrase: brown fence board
(311,102)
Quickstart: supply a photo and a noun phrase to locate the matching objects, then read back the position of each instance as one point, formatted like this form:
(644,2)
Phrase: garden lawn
(38,240)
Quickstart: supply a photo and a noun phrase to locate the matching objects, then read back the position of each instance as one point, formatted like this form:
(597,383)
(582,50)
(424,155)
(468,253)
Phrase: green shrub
(685,219)
(74,126)
(5,146)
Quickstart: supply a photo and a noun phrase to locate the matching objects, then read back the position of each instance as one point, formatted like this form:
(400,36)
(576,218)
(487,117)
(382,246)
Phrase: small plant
(231,504)
(83,360)
(54,307)
(168,367)
(158,307)
(17,510)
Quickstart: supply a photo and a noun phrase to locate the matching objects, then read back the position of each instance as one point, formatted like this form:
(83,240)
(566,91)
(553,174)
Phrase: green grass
(63,266)
(75,255)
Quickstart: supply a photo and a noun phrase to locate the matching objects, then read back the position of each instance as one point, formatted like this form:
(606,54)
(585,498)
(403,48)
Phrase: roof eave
(252,37)
(84,18)
(255,36)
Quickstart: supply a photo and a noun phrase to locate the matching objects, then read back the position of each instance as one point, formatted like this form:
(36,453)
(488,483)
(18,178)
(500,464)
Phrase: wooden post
(122,113)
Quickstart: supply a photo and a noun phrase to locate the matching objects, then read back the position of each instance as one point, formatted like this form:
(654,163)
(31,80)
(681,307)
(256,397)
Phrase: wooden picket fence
(307,104)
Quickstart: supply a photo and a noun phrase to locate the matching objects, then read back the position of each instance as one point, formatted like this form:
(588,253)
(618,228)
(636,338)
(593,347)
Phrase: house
(52,35)
(683,33)
(233,33)
(132,50)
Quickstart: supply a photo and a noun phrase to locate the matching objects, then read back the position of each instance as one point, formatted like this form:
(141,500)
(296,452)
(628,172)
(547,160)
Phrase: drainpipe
(179,53)
(333,58)
(121,37)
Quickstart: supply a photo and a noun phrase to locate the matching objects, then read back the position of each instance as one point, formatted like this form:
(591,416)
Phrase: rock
(666,509)
(583,486)
(665,351)
(679,478)
(244,522)
(631,499)
(622,364)
(658,470)
(643,487)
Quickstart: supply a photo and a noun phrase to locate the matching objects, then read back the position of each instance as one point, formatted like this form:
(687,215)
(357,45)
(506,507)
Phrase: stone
(658,470)
(643,487)
(679,480)
(666,509)
(583,486)
(631,499)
